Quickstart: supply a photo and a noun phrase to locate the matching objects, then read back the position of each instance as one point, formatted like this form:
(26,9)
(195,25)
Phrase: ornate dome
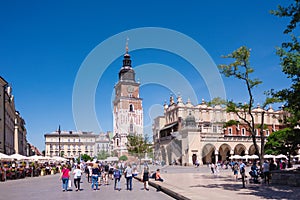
(190,120)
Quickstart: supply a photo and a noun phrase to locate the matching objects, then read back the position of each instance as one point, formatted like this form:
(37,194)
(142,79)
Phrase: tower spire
(126,48)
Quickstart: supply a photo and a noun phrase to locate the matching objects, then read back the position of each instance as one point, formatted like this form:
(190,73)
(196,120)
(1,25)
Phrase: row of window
(243,131)
(69,147)
(72,140)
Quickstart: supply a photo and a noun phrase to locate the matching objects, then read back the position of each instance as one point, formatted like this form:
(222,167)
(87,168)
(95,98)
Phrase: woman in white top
(77,176)
(128,175)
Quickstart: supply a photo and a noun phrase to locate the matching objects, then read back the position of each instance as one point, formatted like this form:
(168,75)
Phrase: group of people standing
(256,171)
(99,171)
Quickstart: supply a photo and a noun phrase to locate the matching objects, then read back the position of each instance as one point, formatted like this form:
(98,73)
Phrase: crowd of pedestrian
(103,173)
(258,171)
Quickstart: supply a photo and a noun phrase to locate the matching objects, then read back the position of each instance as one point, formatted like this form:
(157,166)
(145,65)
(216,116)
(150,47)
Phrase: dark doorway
(194,158)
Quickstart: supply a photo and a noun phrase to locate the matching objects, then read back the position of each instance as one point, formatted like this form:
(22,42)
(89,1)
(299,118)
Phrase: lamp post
(59,140)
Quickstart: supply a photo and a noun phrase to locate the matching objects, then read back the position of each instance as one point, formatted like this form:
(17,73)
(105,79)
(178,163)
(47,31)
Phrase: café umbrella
(4,157)
(18,157)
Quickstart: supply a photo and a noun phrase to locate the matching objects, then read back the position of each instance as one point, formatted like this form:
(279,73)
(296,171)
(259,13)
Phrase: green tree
(102,155)
(123,158)
(284,141)
(86,157)
(240,69)
(289,54)
(138,145)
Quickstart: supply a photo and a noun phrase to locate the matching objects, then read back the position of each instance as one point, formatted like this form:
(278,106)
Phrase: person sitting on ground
(157,176)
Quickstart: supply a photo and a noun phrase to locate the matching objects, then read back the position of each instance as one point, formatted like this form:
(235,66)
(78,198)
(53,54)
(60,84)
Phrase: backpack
(117,174)
(242,170)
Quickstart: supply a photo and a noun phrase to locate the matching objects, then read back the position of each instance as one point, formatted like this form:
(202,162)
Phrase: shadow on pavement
(263,191)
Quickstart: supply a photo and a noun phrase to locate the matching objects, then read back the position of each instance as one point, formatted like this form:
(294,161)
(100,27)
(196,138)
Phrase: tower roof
(126,72)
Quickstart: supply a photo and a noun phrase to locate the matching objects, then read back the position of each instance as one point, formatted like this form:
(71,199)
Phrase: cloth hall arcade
(187,132)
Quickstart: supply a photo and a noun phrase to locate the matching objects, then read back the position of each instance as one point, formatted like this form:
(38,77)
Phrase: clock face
(130,89)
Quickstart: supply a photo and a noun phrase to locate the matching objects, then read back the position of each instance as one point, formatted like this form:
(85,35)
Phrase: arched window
(130,108)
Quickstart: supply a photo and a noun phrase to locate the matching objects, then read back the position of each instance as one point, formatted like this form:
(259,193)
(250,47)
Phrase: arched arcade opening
(208,154)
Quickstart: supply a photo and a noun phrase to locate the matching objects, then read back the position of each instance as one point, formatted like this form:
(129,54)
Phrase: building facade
(71,144)
(128,109)
(12,126)
(103,144)
(193,133)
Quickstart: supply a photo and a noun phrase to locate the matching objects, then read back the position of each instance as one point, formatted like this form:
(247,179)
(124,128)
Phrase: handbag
(69,183)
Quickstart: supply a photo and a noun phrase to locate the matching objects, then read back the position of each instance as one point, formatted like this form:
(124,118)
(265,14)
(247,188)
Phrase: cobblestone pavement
(190,182)
(49,187)
(199,183)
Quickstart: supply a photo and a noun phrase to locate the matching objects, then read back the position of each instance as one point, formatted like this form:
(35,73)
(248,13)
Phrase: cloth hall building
(187,132)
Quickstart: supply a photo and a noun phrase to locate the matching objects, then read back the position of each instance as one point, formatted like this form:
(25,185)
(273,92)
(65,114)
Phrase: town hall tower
(128,109)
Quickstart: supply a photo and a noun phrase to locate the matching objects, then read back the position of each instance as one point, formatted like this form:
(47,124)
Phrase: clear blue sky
(44,43)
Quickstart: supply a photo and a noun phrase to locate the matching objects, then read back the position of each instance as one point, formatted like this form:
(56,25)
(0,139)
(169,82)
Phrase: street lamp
(59,140)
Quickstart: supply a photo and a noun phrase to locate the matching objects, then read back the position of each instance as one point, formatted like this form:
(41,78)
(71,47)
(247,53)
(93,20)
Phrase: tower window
(130,108)
(131,128)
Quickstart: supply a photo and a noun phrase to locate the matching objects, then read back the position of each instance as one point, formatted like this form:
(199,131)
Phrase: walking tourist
(266,171)
(128,175)
(145,178)
(212,168)
(95,175)
(117,177)
(106,171)
(77,177)
(65,174)
(236,170)
(254,173)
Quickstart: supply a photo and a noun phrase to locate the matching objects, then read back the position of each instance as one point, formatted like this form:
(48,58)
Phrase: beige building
(128,109)
(12,125)
(70,144)
(103,143)
(195,132)
(20,142)
(73,144)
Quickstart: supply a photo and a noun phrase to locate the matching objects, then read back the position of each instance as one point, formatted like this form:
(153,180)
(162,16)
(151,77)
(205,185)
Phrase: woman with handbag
(65,175)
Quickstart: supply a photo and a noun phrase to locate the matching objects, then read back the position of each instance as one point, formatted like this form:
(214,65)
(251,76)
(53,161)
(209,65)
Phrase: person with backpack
(117,176)
(242,171)
(106,170)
